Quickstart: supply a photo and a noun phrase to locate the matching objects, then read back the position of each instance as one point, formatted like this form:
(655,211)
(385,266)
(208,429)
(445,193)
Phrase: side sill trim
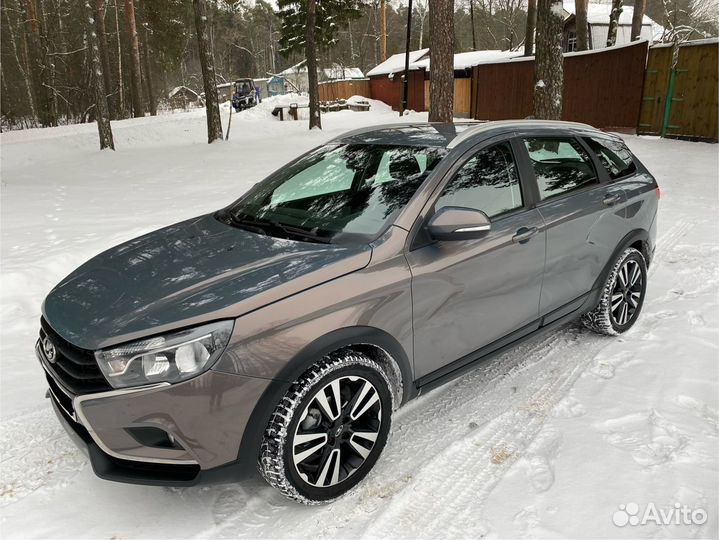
(562,315)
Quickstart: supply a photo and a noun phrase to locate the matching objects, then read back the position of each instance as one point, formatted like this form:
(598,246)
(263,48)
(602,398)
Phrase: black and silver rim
(337,431)
(627,292)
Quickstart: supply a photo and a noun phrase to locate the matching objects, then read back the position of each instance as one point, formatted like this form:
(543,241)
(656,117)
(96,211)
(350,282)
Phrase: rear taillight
(658,192)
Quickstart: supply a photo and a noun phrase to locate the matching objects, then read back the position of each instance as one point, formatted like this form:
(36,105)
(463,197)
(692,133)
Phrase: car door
(468,294)
(584,219)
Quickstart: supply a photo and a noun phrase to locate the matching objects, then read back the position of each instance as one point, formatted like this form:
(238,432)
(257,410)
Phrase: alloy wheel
(337,431)
(627,293)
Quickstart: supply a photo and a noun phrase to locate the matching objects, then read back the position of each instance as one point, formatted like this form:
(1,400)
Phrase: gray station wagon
(282,331)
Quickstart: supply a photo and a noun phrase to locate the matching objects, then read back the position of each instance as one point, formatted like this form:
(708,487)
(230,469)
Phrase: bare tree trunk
(25,76)
(36,62)
(471,21)
(207,62)
(120,82)
(614,22)
(102,115)
(136,72)
(49,68)
(102,45)
(441,59)
(531,27)
(582,27)
(640,7)
(311,55)
(383,29)
(422,8)
(152,104)
(548,64)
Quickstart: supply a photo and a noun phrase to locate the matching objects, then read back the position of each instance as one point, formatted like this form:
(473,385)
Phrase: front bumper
(202,420)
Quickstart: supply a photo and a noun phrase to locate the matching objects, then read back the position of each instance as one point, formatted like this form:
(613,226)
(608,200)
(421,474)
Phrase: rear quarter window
(614,156)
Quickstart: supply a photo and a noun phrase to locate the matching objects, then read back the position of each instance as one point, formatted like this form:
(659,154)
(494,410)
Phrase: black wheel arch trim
(355,336)
(631,238)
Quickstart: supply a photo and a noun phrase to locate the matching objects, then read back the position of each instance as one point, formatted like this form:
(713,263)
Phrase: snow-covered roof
(466,60)
(341,72)
(179,89)
(395,63)
(336,71)
(420,60)
(598,13)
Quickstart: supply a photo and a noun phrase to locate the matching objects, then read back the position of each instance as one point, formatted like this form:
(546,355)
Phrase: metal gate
(681,101)
(656,84)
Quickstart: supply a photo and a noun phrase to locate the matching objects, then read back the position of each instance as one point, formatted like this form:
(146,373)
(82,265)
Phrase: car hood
(185,274)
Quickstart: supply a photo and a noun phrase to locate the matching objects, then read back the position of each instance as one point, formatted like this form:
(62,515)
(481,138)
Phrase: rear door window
(614,156)
(560,165)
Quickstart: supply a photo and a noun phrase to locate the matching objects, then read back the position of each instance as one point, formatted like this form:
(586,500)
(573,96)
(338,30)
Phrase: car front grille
(74,368)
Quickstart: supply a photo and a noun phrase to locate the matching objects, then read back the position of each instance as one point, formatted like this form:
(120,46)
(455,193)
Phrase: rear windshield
(338,193)
(614,155)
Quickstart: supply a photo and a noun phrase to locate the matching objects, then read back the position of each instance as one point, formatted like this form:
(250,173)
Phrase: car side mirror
(457,223)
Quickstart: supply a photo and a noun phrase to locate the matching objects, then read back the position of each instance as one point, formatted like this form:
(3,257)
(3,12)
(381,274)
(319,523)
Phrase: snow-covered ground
(546,441)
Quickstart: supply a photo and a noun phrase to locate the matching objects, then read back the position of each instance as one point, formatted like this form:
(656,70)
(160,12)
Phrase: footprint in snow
(701,410)
(569,407)
(604,368)
(540,459)
(648,437)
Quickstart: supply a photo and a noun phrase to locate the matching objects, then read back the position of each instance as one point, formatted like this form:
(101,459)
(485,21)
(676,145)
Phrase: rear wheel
(622,297)
(328,431)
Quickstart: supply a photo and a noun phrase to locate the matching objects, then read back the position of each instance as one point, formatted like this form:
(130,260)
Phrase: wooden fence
(334,90)
(390,90)
(462,97)
(602,88)
(681,101)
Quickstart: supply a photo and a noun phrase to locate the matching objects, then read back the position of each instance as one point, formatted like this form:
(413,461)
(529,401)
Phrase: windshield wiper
(304,233)
(265,226)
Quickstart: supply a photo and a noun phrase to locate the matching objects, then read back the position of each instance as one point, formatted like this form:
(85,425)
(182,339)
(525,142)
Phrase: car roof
(449,135)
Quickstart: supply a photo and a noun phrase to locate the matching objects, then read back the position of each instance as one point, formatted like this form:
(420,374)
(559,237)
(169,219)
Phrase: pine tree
(136,73)
(640,7)
(531,27)
(582,27)
(548,63)
(98,82)
(311,56)
(312,26)
(441,60)
(331,17)
(214,124)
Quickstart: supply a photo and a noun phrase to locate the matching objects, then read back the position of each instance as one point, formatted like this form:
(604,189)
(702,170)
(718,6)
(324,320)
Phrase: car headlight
(170,358)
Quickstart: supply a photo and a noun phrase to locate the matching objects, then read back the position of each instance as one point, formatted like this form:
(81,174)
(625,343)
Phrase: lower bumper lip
(77,414)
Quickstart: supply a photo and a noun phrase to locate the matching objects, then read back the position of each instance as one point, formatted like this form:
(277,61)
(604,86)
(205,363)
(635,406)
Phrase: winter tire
(328,430)
(622,296)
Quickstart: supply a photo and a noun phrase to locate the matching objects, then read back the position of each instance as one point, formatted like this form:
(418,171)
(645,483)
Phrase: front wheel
(622,297)
(328,431)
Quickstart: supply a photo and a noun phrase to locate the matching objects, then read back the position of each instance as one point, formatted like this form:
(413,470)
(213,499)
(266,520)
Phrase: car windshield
(339,193)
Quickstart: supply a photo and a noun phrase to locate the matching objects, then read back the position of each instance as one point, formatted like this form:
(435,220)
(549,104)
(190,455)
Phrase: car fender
(356,336)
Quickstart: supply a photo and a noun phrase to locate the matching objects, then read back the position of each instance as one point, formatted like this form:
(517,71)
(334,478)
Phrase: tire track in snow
(668,240)
(469,469)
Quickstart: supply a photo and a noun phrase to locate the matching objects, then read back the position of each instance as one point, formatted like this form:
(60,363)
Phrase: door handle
(524,234)
(611,199)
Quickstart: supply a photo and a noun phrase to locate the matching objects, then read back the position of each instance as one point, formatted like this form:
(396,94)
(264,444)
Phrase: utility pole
(405,83)
(383,29)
